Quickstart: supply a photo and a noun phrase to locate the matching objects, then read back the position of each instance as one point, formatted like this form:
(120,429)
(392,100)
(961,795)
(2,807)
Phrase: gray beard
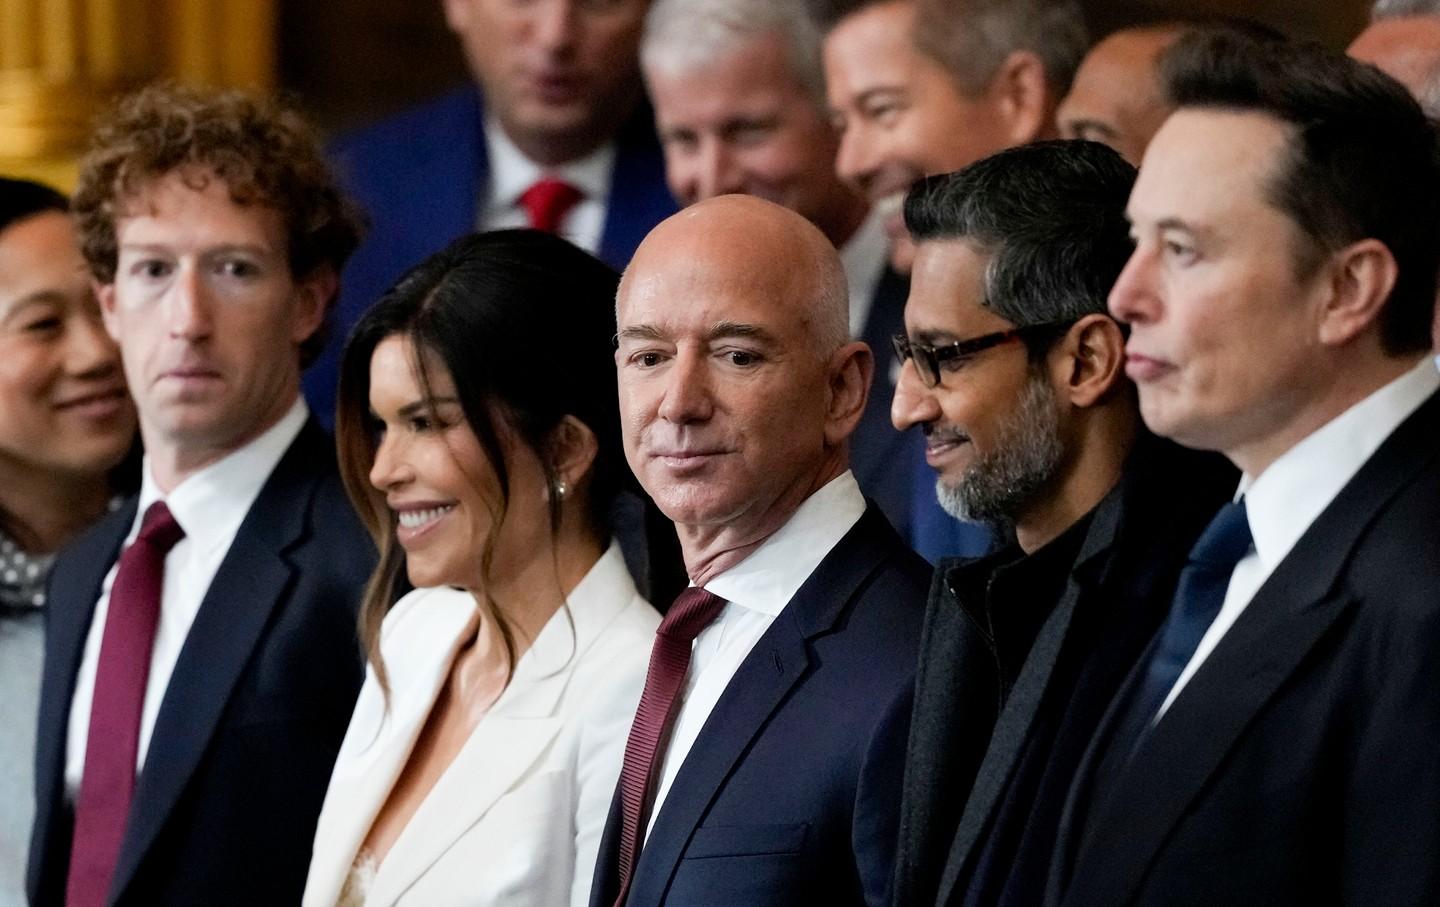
(997,488)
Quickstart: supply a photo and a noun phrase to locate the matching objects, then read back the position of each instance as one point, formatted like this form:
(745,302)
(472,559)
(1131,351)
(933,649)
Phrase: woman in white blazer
(479,439)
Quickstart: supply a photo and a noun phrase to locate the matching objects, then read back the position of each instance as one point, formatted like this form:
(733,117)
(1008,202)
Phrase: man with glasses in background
(1015,372)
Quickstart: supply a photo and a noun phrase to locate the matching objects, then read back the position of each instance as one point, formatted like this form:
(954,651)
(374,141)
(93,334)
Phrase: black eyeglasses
(930,360)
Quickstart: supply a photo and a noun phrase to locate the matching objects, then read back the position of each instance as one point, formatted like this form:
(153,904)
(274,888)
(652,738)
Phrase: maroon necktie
(548,201)
(669,660)
(108,780)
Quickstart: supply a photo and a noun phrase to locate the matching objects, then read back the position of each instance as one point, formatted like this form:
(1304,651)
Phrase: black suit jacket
(1298,765)
(791,791)
(1085,640)
(224,809)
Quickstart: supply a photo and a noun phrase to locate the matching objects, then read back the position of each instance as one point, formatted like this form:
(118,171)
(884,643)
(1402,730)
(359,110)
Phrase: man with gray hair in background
(739,97)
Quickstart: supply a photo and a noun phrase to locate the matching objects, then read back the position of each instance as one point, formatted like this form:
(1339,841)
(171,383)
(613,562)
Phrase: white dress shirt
(757,589)
(1282,502)
(863,257)
(511,173)
(210,506)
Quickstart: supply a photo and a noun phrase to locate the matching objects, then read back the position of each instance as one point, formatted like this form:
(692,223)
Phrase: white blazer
(516,818)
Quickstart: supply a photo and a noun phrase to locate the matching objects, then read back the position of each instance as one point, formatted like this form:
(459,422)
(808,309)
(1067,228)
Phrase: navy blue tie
(1198,597)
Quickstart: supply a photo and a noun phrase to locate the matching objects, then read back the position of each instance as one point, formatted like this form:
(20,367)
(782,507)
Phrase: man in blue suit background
(554,134)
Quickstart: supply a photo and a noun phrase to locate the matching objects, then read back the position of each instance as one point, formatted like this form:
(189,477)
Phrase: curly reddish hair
(262,149)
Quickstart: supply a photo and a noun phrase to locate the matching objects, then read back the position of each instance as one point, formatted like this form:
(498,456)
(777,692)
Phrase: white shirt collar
(211,504)
(511,172)
(772,574)
(1286,498)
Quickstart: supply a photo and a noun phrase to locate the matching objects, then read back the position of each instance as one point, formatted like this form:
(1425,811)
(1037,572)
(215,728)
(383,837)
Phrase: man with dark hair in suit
(1015,372)
(1273,746)
(764,760)
(554,134)
(201,650)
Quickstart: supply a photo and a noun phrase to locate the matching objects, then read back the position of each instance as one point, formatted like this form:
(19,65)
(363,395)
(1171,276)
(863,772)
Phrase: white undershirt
(1286,498)
(863,257)
(210,506)
(511,173)
(757,589)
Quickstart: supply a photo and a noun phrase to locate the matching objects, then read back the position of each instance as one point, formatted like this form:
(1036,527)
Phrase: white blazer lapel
(378,743)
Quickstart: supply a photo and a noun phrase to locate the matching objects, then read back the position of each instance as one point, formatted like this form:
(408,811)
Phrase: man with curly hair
(201,659)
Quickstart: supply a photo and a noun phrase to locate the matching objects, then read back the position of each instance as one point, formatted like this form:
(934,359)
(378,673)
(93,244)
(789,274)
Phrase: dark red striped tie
(108,780)
(548,201)
(669,660)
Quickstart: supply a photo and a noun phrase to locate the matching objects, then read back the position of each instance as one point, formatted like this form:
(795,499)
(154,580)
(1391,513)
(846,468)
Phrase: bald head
(738,387)
(1117,98)
(755,246)
(1406,48)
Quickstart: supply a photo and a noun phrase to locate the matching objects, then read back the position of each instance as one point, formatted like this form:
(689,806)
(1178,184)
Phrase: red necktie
(548,201)
(669,660)
(120,677)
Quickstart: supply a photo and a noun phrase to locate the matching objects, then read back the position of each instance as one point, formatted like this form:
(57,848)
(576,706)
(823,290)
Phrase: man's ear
(1361,278)
(105,295)
(1089,361)
(851,371)
(313,295)
(1021,95)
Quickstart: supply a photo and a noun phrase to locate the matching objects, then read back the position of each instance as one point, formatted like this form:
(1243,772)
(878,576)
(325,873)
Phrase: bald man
(1116,98)
(775,778)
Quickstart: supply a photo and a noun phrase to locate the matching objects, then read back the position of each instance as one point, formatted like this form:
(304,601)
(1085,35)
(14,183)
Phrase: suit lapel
(767,675)
(1288,616)
(251,582)
(509,741)
(73,594)
(493,760)
(956,690)
(1012,728)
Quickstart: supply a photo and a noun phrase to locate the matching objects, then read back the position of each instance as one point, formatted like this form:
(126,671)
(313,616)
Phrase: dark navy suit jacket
(790,795)
(225,807)
(1298,766)
(419,176)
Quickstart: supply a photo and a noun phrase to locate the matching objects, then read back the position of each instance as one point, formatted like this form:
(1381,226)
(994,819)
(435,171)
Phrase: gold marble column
(61,61)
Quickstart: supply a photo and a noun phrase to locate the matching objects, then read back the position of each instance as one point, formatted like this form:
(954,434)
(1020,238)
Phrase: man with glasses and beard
(1015,372)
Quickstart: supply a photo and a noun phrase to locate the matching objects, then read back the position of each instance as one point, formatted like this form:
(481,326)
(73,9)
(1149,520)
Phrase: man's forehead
(1206,159)
(871,49)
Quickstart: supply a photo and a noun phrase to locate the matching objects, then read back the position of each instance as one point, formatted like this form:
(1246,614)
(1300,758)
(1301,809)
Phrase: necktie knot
(159,528)
(547,202)
(692,611)
(1226,540)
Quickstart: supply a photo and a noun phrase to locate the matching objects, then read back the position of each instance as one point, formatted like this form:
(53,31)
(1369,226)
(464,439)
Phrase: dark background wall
(351,61)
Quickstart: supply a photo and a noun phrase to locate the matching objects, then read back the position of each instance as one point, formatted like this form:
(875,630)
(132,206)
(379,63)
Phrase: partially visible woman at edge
(66,425)
(479,438)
